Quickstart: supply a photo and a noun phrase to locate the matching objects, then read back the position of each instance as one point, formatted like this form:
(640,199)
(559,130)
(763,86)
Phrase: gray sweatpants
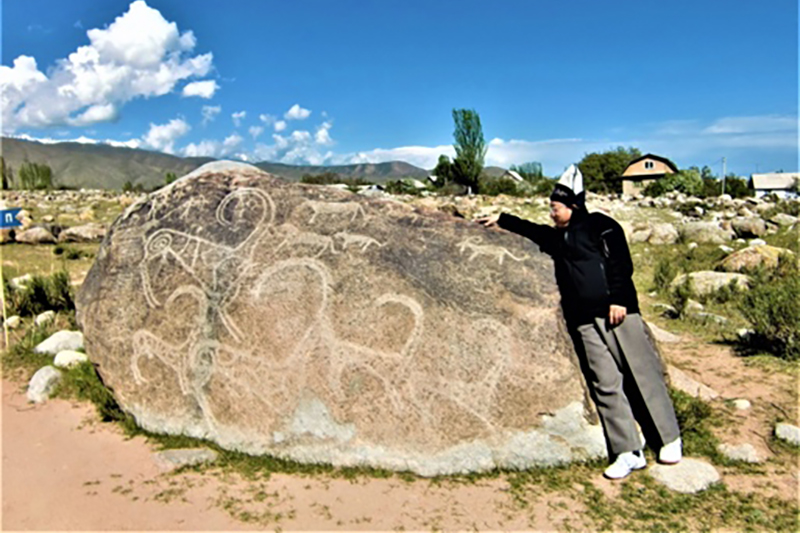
(626,383)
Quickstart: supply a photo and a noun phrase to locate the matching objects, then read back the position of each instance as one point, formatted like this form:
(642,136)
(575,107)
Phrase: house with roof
(781,184)
(512,175)
(645,170)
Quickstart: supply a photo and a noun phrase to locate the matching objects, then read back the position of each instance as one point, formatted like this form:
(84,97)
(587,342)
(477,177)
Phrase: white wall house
(781,184)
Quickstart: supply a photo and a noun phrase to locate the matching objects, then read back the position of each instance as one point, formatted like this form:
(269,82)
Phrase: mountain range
(102,166)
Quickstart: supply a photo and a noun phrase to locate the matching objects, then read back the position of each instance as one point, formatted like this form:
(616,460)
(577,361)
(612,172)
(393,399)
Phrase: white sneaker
(626,463)
(671,453)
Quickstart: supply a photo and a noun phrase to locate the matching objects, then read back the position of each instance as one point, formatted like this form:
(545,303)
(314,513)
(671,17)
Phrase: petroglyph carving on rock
(235,307)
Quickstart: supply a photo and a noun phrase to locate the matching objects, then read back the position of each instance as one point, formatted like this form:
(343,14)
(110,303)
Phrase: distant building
(781,184)
(512,175)
(644,171)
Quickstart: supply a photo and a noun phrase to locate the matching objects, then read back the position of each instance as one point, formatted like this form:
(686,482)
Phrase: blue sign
(8,218)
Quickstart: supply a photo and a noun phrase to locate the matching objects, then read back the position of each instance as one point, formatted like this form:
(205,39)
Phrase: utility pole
(723,175)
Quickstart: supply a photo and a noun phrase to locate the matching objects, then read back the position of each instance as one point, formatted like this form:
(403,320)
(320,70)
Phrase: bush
(42,293)
(663,274)
(686,181)
(772,307)
(679,296)
(495,186)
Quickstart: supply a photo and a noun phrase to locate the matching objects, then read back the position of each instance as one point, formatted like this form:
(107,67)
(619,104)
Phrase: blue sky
(335,82)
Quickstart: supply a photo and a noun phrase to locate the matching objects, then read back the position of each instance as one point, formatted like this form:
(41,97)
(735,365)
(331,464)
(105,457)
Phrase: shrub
(679,296)
(42,293)
(495,186)
(772,307)
(663,274)
(685,181)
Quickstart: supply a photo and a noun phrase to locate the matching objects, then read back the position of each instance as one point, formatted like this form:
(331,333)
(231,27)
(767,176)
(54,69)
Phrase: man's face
(560,214)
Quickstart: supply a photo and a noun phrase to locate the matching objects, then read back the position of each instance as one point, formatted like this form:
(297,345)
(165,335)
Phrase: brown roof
(664,160)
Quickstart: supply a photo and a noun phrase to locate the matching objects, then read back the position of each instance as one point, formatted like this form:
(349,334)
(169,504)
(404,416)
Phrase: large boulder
(705,232)
(707,281)
(754,257)
(664,233)
(86,233)
(321,326)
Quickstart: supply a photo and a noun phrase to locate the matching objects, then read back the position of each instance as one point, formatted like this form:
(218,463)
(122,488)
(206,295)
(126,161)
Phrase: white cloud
(280,125)
(130,143)
(255,131)
(213,148)
(140,54)
(757,124)
(300,136)
(322,136)
(267,119)
(296,113)
(231,142)
(162,137)
(210,113)
(203,89)
(238,117)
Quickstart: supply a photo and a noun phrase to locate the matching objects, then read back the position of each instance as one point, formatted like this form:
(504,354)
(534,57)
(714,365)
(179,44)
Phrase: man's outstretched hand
(488,221)
(616,314)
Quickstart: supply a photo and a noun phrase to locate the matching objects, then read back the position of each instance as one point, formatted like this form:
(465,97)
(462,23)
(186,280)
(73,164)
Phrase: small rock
(783,219)
(48,218)
(662,335)
(694,305)
(742,452)
(69,358)
(43,383)
(788,433)
(744,333)
(757,242)
(664,233)
(688,477)
(44,318)
(62,340)
(710,317)
(665,309)
(21,282)
(726,249)
(13,322)
(681,381)
(707,281)
(692,245)
(35,236)
(741,404)
(173,459)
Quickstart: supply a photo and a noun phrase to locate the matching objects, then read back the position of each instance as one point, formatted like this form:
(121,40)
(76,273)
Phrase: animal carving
(295,237)
(474,245)
(354,239)
(353,209)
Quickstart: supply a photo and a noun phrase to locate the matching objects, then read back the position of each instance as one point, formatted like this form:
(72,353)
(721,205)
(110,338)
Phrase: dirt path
(62,470)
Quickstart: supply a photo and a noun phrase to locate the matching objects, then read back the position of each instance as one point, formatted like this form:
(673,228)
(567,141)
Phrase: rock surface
(69,358)
(663,234)
(690,476)
(749,227)
(788,433)
(43,318)
(86,233)
(13,322)
(753,257)
(169,460)
(741,452)
(59,341)
(662,335)
(707,281)
(43,383)
(35,236)
(317,325)
(681,381)
(705,232)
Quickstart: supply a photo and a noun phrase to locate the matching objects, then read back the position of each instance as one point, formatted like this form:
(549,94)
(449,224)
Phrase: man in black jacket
(593,270)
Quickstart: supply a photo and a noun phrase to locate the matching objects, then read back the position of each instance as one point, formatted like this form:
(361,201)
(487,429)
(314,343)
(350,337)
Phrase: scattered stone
(694,305)
(753,257)
(69,358)
(741,404)
(87,233)
(788,433)
(663,234)
(662,335)
(641,235)
(783,219)
(710,317)
(690,476)
(707,281)
(744,333)
(681,381)
(742,452)
(48,218)
(757,242)
(169,460)
(21,282)
(62,340)
(44,318)
(705,232)
(43,383)
(725,248)
(35,236)
(665,309)
(13,322)
(692,245)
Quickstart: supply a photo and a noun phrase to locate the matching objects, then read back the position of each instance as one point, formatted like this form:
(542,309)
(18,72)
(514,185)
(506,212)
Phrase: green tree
(6,175)
(687,181)
(530,172)
(35,176)
(443,171)
(169,178)
(602,171)
(470,148)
